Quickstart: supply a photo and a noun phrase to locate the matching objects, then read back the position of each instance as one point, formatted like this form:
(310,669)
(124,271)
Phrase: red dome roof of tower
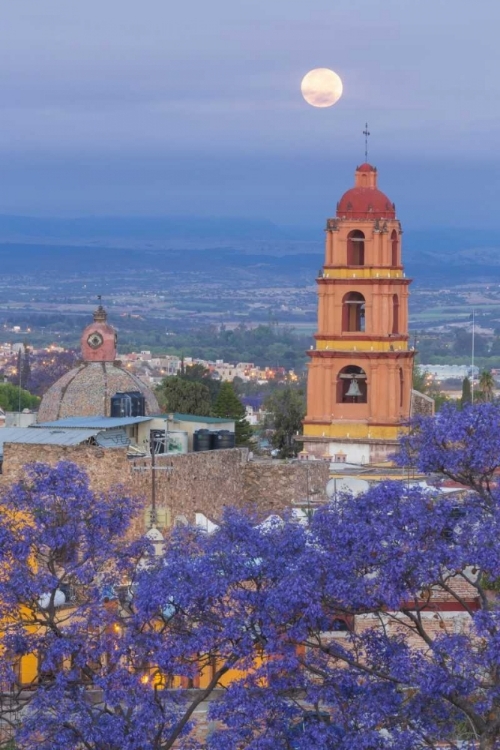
(365,200)
(365,203)
(365,167)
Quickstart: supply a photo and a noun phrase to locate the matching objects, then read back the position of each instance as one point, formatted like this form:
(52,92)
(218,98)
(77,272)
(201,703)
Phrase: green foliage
(424,384)
(446,348)
(228,405)
(178,395)
(11,398)
(487,386)
(466,392)
(287,408)
(200,374)
(462,343)
(265,345)
(439,397)
(23,369)
(420,379)
(490,584)
(194,373)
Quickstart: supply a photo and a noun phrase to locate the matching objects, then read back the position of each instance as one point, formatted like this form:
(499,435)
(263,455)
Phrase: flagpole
(472,368)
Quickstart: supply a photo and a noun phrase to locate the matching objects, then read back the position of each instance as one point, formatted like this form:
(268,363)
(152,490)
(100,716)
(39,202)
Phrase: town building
(87,390)
(360,372)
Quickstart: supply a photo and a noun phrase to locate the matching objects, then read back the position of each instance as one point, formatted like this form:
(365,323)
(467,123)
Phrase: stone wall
(421,405)
(190,483)
(187,484)
(104,466)
(276,485)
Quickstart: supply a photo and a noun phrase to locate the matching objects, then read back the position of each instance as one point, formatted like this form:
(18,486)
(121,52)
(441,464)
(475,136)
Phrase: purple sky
(194,108)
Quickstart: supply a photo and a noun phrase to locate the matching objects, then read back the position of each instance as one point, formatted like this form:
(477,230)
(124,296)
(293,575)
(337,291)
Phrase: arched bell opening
(353,312)
(395,313)
(356,248)
(394,248)
(352,386)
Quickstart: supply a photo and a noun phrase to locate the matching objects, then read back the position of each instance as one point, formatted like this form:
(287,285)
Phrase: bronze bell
(353,388)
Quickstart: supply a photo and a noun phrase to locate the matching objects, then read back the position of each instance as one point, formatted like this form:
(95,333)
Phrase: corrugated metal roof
(44,436)
(205,420)
(100,423)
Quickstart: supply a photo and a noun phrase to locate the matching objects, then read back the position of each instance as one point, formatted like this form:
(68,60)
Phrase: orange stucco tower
(360,373)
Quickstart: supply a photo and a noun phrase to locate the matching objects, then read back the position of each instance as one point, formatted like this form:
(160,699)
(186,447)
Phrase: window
(395,313)
(356,248)
(394,248)
(353,312)
(351,385)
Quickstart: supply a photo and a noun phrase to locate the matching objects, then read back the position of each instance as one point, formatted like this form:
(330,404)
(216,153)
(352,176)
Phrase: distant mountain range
(97,228)
(452,256)
(432,257)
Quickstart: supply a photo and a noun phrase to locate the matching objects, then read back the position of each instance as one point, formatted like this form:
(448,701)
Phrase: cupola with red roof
(365,200)
(98,339)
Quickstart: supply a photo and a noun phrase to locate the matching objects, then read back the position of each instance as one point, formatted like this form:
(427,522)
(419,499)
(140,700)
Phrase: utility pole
(472,367)
(20,365)
(155,468)
(153,516)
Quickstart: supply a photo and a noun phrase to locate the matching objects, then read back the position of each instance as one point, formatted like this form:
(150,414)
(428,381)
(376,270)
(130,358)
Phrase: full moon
(321,87)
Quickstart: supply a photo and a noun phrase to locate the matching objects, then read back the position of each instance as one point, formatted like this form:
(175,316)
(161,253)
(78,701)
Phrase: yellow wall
(362,273)
(362,345)
(345,429)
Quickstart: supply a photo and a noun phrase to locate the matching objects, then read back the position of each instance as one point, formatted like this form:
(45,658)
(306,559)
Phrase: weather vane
(366,133)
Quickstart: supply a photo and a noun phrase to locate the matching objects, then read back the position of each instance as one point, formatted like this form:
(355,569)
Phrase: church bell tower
(360,370)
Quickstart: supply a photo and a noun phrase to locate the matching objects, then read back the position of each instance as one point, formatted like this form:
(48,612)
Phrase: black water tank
(202,440)
(138,403)
(121,405)
(128,404)
(224,439)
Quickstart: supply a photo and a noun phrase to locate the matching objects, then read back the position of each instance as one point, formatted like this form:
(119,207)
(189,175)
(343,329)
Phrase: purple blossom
(375,626)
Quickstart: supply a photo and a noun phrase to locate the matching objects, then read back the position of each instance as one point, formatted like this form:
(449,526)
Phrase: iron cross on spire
(366,133)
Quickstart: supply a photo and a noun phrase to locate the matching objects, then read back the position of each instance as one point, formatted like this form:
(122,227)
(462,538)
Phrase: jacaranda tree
(117,644)
(378,623)
(374,626)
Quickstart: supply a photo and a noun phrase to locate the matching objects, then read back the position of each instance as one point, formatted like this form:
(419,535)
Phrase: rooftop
(44,436)
(196,418)
(97,423)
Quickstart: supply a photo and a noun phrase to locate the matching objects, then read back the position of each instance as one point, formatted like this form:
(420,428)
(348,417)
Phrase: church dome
(86,390)
(365,200)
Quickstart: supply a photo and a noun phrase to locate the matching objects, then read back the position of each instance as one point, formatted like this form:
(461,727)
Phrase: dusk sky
(114,107)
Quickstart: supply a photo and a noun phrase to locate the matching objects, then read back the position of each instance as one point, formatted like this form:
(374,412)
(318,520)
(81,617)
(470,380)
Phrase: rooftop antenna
(366,133)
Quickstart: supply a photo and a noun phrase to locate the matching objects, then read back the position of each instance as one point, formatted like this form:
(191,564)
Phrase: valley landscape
(164,281)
